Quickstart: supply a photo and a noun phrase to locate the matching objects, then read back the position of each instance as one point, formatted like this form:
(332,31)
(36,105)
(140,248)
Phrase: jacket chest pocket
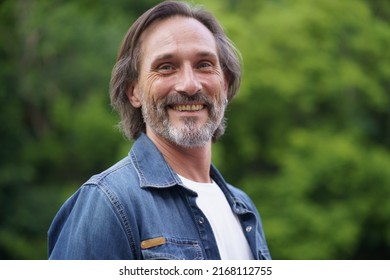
(161,248)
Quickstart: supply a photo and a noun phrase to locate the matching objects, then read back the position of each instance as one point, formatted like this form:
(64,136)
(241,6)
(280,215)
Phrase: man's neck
(191,163)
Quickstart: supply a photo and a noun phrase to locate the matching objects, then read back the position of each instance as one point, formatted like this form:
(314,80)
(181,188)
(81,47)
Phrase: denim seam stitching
(121,213)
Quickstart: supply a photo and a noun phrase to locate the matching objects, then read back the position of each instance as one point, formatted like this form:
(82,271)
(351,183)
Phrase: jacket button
(248,228)
(237,209)
(201,220)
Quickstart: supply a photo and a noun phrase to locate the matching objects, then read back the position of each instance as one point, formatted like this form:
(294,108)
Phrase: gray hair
(126,69)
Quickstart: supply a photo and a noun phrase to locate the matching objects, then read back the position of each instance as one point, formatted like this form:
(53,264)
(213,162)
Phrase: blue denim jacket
(139,209)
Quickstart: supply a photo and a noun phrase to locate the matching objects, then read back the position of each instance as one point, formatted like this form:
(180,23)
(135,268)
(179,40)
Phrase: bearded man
(175,75)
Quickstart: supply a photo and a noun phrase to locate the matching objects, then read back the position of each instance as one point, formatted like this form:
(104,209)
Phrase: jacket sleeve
(88,226)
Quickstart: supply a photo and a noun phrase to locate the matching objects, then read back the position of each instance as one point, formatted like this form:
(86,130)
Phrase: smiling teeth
(188,107)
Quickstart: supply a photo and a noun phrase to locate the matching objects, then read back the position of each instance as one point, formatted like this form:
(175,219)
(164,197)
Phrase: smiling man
(182,77)
(176,73)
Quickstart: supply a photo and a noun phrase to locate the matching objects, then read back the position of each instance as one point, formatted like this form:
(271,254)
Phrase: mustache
(175,98)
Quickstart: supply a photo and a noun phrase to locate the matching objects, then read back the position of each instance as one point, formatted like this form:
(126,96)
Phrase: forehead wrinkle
(155,55)
(192,28)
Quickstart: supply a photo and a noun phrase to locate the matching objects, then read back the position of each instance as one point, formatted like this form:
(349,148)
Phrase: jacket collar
(151,167)
(153,171)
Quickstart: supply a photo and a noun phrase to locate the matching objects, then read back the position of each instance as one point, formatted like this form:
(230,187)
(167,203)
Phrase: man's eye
(205,64)
(165,68)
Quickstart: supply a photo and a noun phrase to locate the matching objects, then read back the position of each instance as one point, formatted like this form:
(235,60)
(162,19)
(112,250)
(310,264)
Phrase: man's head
(160,85)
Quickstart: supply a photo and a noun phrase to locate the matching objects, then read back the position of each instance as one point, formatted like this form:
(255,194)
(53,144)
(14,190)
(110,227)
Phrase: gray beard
(189,135)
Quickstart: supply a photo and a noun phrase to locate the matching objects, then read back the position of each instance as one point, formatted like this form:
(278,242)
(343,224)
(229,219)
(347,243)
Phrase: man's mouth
(188,108)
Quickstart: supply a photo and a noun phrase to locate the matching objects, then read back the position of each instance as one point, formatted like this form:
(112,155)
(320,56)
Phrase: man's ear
(133,95)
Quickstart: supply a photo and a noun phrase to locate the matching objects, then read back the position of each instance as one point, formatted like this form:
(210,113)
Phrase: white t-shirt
(226,227)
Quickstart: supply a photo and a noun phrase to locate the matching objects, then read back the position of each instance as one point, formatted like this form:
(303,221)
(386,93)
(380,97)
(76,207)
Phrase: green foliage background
(308,135)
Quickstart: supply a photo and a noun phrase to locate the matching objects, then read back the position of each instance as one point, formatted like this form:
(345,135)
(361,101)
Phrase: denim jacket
(139,209)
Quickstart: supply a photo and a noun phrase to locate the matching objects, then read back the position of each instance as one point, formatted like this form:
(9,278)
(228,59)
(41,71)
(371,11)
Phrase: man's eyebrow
(163,57)
(207,54)
(167,56)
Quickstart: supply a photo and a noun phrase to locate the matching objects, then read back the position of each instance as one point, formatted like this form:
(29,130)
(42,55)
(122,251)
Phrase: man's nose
(188,82)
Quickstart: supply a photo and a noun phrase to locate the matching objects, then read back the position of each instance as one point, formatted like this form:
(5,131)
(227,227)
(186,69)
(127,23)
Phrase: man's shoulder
(119,176)
(127,167)
(121,166)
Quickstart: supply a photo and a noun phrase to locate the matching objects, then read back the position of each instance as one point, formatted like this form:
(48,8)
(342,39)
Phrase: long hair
(126,69)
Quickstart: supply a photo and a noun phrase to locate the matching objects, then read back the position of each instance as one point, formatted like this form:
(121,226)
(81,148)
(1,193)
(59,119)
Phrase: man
(175,74)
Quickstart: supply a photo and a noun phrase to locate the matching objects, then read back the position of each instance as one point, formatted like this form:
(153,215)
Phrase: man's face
(181,87)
